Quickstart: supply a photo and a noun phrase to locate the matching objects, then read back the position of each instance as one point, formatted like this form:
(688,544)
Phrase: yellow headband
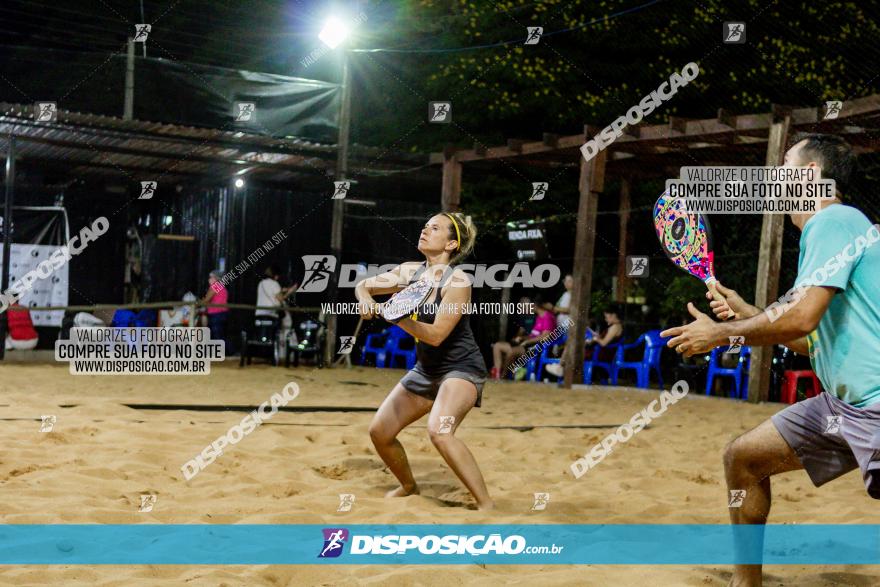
(457,233)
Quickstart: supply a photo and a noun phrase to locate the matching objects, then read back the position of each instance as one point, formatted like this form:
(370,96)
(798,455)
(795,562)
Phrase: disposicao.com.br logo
(431,544)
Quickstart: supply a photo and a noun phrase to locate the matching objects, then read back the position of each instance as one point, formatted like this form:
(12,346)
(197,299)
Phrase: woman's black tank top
(458,352)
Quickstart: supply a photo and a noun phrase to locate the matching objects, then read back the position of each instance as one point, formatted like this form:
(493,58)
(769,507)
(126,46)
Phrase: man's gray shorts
(420,384)
(831,438)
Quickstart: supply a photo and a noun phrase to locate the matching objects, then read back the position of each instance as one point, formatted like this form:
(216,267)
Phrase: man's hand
(700,336)
(735,305)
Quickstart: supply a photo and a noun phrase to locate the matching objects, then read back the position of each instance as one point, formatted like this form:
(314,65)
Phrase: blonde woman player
(447,381)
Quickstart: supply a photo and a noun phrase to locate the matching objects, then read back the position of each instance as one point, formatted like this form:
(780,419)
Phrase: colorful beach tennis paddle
(407,301)
(686,239)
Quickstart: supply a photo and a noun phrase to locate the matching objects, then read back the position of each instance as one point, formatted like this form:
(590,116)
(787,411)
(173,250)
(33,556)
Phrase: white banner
(51,291)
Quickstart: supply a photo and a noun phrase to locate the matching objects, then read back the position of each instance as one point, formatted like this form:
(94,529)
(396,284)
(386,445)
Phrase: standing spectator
(564,302)
(217,294)
(270,293)
(22,336)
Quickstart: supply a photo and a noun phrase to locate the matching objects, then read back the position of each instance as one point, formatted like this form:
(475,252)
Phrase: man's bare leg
(749,461)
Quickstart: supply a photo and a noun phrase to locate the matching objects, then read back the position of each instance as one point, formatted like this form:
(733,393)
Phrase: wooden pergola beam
(704,130)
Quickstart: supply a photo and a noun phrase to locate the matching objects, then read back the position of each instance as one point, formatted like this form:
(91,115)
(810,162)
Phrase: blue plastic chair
(401,345)
(536,365)
(650,360)
(739,373)
(546,359)
(384,345)
(145,318)
(123,319)
(375,346)
(593,362)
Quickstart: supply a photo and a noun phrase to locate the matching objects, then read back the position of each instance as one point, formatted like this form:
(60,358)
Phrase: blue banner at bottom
(691,544)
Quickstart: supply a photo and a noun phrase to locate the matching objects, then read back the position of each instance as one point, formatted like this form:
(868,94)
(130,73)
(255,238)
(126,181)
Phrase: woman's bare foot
(489,505)
(403,491)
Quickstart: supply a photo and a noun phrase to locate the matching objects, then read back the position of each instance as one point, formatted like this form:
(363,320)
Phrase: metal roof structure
(93,145)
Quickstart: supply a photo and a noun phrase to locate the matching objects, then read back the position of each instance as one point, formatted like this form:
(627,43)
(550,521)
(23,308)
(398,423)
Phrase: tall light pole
(333,35)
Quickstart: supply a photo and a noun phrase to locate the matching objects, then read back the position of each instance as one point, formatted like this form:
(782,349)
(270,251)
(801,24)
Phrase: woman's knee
(379,433)
(440,438)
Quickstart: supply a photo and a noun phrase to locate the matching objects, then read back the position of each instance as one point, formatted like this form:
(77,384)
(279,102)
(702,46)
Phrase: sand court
(115,439)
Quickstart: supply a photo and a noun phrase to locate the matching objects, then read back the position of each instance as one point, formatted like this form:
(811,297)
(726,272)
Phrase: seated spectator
(504,353)
(22,336)
(600,341)
(524,322)
(612,333)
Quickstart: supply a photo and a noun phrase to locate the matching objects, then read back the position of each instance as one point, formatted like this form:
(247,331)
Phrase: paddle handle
(716,295)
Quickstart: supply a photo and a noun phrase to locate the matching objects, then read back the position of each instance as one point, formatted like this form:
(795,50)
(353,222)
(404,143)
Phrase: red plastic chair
(790,383)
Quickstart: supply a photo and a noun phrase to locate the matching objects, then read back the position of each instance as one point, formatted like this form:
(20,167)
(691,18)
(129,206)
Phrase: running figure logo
(334,541)
(734,33)
(346,501)
(147,503)
(446,424)
(440,112)
(832,109)
(539,190)
(834,423)
(319,268)
(244,111)
(148,188)
(346,345)
(533,34)
(737,496)
(736,344)
(541,501)
(47,423)
(341,190)
(636,266)
(46,111)
(141,32)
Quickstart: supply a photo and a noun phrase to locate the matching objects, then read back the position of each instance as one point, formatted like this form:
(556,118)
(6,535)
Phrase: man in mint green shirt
(832,314)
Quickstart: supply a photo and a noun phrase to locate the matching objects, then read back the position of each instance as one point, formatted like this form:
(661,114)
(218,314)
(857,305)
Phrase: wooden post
(769,260)
(591,183)
(9,200)
(502,318)
(338,211)
(623,242)
(450,197)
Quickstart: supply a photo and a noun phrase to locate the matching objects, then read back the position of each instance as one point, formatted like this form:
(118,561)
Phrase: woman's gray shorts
(832,437)
(418,383)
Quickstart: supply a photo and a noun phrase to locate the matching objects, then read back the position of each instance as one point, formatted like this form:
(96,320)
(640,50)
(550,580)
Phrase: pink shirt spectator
(221,296)
(547,321)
